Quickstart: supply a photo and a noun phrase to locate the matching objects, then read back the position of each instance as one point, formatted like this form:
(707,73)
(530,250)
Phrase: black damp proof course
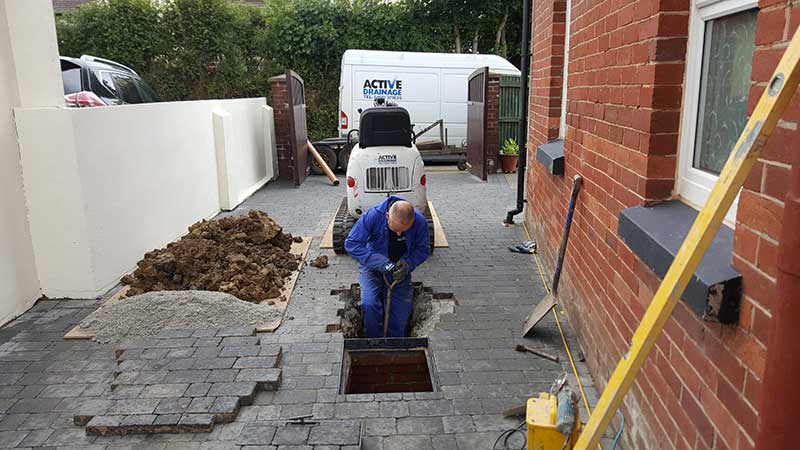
(386,365)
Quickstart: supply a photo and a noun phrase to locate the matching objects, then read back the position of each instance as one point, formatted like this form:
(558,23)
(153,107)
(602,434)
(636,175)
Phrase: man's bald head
(400,216)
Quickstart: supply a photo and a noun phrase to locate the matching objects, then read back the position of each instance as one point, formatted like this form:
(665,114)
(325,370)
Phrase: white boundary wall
(29,53)
(105,185)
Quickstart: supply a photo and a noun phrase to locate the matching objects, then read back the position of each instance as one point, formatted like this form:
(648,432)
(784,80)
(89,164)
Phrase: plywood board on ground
(298,248)
(439,237)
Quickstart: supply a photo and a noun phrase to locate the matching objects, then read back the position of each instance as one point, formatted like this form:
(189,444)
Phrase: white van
(431,86)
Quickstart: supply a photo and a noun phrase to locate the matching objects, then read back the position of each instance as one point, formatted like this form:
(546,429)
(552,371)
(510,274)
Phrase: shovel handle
(562,249)
(388,305)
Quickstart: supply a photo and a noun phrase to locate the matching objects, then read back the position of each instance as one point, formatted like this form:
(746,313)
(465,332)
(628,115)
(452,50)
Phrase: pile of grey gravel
(147,314)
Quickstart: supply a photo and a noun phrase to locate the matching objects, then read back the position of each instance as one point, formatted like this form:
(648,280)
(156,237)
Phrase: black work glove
(400,271)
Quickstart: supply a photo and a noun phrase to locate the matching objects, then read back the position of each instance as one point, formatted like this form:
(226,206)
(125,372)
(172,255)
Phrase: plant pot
(508,163)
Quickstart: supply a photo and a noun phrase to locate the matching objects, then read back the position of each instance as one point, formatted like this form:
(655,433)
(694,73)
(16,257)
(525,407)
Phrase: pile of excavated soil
(428,308)
(245,256)
(147,314)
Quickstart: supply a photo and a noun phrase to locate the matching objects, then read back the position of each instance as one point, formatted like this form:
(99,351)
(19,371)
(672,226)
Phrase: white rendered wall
(105,185)
(27,43)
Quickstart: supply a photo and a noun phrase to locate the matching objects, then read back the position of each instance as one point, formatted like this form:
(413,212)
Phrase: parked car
(91,81)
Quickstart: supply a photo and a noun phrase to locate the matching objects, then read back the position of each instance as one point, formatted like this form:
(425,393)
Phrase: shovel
(387,307)
(551,299)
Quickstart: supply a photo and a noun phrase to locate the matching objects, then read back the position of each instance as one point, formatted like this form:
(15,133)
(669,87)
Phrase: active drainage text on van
(389,89)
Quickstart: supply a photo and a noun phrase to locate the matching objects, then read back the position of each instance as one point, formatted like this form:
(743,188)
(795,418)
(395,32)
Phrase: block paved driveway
(43,378)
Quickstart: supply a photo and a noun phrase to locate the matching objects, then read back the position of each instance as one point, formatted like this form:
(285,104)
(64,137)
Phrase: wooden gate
(297,126)
(477,92)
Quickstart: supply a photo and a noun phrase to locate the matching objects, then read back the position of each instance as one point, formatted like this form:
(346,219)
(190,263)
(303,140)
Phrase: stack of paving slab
(184,381)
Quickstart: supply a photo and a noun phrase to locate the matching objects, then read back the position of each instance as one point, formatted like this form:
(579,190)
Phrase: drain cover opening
(384,371)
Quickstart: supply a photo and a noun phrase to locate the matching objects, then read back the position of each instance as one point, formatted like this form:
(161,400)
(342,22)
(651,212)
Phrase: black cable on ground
(506,435)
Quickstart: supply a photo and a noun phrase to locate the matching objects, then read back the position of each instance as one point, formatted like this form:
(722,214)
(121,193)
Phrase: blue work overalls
(368,243)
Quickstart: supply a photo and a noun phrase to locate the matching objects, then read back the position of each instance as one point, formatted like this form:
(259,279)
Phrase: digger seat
(385,126)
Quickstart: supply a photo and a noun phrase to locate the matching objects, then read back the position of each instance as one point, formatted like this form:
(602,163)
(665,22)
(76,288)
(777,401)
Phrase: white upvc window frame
(694,185)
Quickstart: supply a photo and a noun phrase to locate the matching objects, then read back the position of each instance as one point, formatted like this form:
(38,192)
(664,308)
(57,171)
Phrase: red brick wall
(493,124)
(280,106)
(700,385)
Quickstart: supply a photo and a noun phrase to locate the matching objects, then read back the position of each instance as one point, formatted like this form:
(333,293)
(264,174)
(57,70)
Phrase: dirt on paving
(245,256)
(428,308)
(320,262)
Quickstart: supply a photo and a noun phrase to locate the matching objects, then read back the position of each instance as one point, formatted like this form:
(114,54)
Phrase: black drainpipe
(523,112)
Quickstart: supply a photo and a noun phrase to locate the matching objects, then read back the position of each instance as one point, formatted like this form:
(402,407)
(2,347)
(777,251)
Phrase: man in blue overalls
(390,240)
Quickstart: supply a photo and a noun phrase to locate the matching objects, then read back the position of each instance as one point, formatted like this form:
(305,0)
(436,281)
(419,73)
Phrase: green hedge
(201,49)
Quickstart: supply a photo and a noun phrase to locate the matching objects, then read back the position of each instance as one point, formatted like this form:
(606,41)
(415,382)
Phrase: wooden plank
(439,238)
(327,238)
(298,248)
(765,117)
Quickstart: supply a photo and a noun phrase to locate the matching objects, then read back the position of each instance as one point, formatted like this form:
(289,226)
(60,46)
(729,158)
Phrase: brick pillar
(493,123)
(547,65)
(280,105)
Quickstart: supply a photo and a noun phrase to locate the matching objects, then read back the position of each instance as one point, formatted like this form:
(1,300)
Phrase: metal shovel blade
(539,311)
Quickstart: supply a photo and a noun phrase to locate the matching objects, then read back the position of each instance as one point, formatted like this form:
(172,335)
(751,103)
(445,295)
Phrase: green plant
(510,148)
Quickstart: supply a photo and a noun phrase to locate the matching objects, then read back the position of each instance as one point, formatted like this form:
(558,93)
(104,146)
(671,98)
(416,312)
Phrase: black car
(92,81)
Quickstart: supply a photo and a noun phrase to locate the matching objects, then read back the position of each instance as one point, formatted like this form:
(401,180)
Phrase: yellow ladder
(769,109)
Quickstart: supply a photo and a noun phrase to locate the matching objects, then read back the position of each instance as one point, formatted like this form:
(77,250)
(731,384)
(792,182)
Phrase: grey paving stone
(12,421)
(404,442)
(291,434)
(186,376)
(173,405)
(256,362)
(446,442)
(267,379)
(197,390)
(36,438)
(167,420)
(41,405)
(419,425)
(356,410)
(11,439)
(269,350)
(197,422)
(214,363)
(256,434)
(62,390)
(133,406)
(201,405)
(175,343)
(394,409)
(335,433)
(209,341)
(242,350)
(181,352)
(225,408)
(458,424)
(138,420)
(380,427)
(243,389)
(164,390)
(431,408)
(240,341)
(222,375)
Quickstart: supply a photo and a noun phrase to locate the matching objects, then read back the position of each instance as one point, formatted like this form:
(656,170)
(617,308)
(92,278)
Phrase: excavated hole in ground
(428,308)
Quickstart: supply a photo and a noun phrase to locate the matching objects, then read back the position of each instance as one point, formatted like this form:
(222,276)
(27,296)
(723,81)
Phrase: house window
(718,66)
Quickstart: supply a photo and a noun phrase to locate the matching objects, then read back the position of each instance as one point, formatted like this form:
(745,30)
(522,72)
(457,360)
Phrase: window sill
(551,156)
(656,233)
